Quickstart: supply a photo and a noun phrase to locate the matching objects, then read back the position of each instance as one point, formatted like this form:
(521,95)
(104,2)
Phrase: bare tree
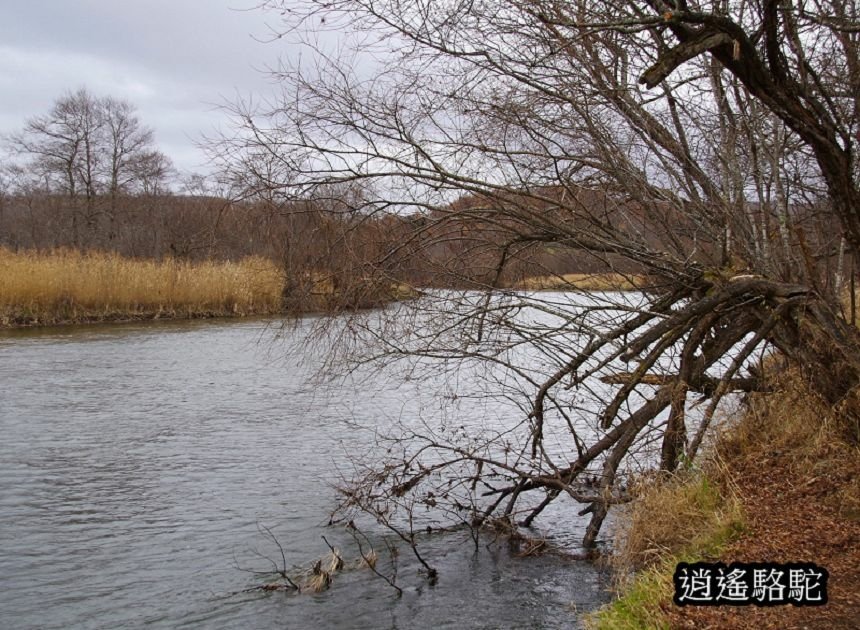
(132,164)
(127,141)
(87,147)
(149,173)
(707,148)
(56,143)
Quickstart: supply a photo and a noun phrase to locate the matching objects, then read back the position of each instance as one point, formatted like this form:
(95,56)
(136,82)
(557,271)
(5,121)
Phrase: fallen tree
(729,181)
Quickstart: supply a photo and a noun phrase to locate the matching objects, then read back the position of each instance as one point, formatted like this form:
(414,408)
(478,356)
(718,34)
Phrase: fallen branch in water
(370,558)
(318,575)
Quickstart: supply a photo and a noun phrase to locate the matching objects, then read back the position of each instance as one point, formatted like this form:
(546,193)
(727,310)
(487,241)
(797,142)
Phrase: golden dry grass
(582,282)
(69,286)
(787,455)
(690,516)
(820,439)
(687,511)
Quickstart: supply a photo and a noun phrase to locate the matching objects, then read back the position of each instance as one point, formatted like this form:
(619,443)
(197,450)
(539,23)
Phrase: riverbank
(583,282)
(782,484)
(62,287)
(70,287)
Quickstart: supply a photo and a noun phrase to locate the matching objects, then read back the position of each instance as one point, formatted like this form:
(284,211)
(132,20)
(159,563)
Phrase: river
(140,462)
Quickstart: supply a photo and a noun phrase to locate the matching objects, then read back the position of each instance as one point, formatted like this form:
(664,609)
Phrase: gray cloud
(173,59)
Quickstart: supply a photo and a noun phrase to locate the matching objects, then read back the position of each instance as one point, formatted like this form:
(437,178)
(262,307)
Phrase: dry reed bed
(66,286)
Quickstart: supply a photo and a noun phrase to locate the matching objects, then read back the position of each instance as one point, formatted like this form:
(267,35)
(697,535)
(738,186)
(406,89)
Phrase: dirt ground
(792,514)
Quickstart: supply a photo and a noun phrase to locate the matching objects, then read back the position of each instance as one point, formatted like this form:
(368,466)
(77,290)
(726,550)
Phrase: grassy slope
(692,516)
(781,485)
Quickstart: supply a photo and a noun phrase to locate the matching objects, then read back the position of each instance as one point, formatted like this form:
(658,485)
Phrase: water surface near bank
(138,462)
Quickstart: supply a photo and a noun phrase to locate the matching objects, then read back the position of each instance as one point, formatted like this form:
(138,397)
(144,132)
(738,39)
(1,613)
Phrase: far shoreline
(71,287)
(12,320)
(150,317)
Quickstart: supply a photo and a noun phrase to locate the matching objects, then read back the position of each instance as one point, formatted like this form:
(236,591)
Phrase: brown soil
(796,510)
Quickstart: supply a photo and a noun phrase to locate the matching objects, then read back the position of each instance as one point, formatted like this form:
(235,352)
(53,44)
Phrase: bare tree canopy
(705,149)
(91,145)
(88,147)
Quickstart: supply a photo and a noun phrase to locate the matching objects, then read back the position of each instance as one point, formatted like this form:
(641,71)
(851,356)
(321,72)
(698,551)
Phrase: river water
(140,462)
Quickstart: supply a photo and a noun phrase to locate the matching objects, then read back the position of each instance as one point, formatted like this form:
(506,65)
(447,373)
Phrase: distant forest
(87,175)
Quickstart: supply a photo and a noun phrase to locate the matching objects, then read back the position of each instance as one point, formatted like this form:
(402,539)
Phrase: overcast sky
(173,59)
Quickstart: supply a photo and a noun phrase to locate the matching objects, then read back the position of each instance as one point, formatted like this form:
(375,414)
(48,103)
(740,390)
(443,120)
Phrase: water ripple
(137,462)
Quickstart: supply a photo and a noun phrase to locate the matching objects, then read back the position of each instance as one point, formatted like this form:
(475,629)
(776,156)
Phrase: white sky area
(175,60)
